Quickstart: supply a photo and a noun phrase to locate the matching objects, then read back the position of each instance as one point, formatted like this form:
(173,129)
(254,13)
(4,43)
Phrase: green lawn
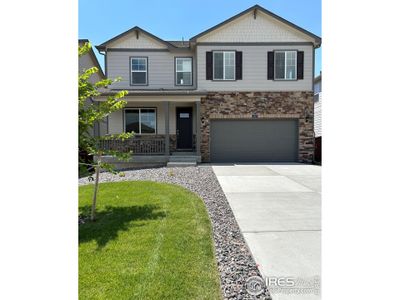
(150,241)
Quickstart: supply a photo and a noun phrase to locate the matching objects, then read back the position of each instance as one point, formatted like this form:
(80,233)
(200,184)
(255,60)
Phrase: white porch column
(166,113)
(198,128)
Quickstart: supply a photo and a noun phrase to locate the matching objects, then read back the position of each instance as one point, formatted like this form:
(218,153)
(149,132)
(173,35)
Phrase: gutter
(158,93)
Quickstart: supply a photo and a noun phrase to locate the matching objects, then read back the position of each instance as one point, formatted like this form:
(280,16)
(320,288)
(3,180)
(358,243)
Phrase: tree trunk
(96,188)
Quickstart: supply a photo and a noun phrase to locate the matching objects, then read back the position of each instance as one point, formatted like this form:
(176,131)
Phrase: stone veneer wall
(274,105)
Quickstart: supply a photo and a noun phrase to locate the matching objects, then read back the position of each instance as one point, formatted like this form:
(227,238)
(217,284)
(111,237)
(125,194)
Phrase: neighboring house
(241,91)
(318,116)
(86,62)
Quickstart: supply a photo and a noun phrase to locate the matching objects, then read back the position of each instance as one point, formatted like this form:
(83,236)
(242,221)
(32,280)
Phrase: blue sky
(101,20)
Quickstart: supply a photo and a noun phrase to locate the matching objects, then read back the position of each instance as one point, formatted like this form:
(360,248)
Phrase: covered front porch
(167,129)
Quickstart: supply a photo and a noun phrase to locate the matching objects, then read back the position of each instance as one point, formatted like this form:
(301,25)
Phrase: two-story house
(241,91)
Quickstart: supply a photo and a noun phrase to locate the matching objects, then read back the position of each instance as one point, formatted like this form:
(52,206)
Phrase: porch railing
(151,146)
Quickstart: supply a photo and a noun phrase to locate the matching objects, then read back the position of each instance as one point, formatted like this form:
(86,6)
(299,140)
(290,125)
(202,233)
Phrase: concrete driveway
(278,208)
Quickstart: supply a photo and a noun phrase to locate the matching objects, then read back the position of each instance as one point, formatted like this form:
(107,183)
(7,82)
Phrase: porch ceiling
(157,98)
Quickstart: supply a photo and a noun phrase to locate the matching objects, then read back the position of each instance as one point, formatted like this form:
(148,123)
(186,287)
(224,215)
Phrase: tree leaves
(92,111)
(84,49)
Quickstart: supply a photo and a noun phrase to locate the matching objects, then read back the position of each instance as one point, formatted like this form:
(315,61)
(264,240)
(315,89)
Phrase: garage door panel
(254,140)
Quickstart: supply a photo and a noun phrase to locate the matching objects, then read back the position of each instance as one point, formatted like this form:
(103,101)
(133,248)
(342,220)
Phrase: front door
(184,128)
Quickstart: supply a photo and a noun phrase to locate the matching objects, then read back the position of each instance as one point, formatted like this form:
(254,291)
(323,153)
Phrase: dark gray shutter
(300,64)
(271,65)
(209,65)
(238,65)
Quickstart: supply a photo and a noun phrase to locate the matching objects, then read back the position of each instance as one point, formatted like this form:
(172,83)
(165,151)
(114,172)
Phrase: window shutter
(300,64)
(209,65)
(271,65)
(238,65)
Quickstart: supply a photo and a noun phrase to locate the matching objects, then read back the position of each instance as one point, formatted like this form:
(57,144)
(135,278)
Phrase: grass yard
(150,241)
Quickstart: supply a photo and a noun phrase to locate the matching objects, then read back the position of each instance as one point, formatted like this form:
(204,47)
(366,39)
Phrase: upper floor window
(138,70)
(140,120)
(183,67)
(224,65)
(285,65)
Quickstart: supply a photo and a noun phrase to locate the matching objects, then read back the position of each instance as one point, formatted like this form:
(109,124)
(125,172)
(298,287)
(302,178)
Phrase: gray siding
(318,114)
(86,62)
(161,69)
(255,70)
(317,87)
(116,119)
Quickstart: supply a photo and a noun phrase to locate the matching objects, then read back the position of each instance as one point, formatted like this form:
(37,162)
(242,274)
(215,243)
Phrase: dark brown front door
(184,128)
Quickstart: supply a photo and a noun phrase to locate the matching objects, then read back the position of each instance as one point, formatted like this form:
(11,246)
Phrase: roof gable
(135,37)
(256,24)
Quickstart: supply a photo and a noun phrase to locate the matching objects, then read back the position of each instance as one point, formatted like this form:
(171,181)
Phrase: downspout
(105,61)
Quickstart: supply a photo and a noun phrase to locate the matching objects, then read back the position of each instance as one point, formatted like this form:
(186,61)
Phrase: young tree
(91,112)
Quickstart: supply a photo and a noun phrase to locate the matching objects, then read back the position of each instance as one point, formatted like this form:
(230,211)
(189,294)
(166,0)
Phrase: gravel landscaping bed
(235,262)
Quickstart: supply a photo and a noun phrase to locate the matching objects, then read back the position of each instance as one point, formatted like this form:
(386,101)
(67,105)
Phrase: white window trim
(295,65)
(223,65)
(139,71)
(140,119)
(176,70)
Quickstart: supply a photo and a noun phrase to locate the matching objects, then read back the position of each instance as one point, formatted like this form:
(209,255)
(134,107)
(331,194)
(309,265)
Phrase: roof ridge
(169,43)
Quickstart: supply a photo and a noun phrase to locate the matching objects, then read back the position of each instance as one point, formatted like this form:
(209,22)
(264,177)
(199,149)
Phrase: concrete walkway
(278,208)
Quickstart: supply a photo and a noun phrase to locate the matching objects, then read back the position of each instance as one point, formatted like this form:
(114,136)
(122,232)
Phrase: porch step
(183,158)
(183,153)
(174,164)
